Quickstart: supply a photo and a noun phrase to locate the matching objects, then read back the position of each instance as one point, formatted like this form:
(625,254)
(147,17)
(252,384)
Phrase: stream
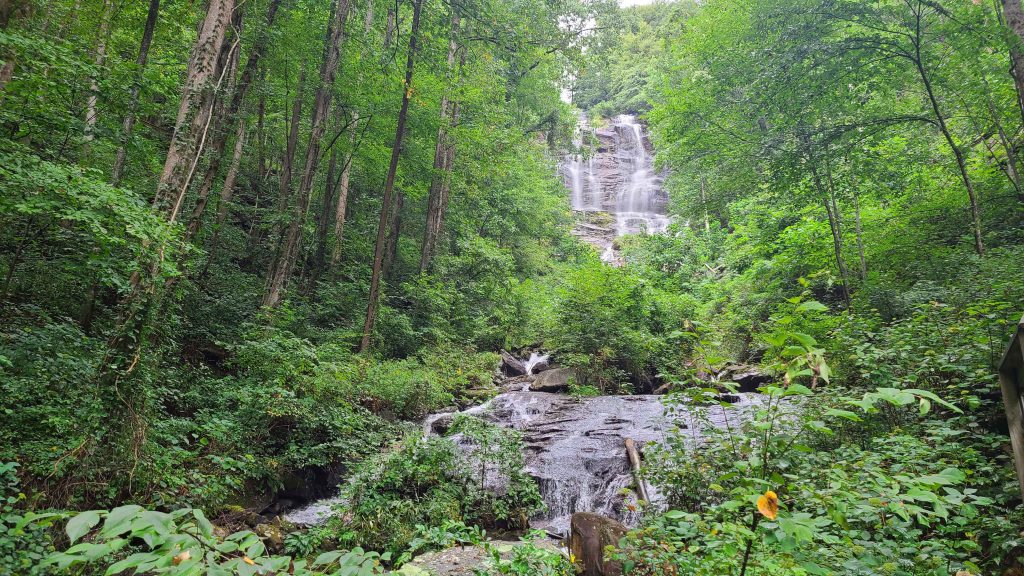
(574,447)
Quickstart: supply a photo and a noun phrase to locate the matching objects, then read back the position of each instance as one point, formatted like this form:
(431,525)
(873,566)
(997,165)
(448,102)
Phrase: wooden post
(634,463)
(1011,381)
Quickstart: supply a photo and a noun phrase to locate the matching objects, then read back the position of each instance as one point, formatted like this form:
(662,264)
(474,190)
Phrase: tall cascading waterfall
(639,205)
(616,176)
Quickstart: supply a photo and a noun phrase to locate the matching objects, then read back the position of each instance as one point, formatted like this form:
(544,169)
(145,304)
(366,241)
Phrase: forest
(434,265)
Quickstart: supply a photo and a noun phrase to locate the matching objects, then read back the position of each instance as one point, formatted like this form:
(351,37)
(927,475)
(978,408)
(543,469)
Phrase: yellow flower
(768,505)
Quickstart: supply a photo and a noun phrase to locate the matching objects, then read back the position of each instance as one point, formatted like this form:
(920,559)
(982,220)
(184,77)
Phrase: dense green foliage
(844,179)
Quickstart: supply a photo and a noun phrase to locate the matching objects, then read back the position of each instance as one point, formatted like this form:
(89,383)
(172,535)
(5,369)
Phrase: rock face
(749,378)
(589,534)
(554,380)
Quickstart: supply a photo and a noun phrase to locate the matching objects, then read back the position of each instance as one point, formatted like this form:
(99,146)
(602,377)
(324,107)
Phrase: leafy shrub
(429,482)
(184,542)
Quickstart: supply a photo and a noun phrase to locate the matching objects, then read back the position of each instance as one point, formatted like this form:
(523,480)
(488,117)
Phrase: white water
(586,189)
(638,205)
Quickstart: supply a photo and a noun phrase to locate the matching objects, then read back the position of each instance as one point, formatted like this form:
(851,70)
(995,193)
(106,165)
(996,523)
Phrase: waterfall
(616,177)
(637,208)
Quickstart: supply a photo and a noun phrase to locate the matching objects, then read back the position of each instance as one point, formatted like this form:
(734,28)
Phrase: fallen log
(634,463)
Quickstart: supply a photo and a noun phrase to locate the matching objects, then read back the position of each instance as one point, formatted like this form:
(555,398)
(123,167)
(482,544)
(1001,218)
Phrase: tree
(389,183)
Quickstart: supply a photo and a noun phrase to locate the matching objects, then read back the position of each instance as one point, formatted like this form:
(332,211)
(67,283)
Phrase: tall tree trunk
(704,203)
(940,121)
(99,59)
(128,124)
(321,104)
(228,116)
(124,424)
(226,193)
(395,234)
(828,200)
(389,184)
(287,163)
(220,121)
(341,203)
(1014,15)
(389,30)
(444,157)
(194,112)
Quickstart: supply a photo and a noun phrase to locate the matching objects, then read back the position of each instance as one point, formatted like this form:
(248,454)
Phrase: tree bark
(123,427)
(128,124)
(341,203)
(221,119)
(444,157)
(226,193)
(860,237)
(389,183)
(1014,15)
(395,234)
(321,104)
(227,117)
(99,59)
(192,123)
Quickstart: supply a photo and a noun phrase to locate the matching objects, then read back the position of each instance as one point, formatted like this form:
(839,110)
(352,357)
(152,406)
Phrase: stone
(272,536)
(511,365)
(442,423)
(589,535)
(749,378)
(554,380)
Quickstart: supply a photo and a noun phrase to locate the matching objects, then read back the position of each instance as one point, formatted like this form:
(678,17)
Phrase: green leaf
(812,306)
(119,520)
(81,524)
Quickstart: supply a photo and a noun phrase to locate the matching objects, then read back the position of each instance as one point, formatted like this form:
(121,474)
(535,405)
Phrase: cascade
(616,177)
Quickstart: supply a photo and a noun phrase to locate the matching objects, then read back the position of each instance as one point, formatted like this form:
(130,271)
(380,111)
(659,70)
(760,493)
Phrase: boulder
(554,380)
(511,365)
(749,378)
(589,534)
(273,536)
(442,423)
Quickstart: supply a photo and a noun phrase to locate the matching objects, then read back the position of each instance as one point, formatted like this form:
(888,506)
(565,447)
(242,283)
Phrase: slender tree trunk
(389,30)
(341,203)
(226,193)
(961,163)
(395,234)
(828,198)
(389,184)
(99,59)
(860,237)
(128,124)
(1014,15)
(704,203)
(288,161)
(322,102)
(444,157)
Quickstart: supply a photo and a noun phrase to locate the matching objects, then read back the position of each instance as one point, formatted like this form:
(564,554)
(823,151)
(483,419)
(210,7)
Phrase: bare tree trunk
(293,239)
(1014,15)
(228,117)
(128,125)
(444,157)
(99,59)
(395,234)
(828,200)
(124,426)
(287,162)
(389,184)
(341,203)
(194,112)
(704,202)
(389,30)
